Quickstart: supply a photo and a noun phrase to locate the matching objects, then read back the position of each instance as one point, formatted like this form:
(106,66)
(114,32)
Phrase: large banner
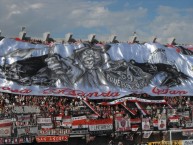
(95,71)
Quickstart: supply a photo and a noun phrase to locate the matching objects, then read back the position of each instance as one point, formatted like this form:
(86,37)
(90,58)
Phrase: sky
(148,18)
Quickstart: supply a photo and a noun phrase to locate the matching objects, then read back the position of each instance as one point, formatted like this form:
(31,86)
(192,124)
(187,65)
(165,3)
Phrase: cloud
(172,22)
(82,17)
(62,16)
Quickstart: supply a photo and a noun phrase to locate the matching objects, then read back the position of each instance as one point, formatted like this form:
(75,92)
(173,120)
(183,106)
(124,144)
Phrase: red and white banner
(174,119)
(40,139)
(79,122)
(67,122)
(134,127)
(6,122)
(101,125)
(44,120)
(5,131)
(155,123)
(145,124)
(59,117)
(122,124)
(133,99)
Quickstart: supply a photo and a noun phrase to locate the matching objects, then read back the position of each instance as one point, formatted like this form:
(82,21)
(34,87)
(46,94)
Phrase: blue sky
(161,18)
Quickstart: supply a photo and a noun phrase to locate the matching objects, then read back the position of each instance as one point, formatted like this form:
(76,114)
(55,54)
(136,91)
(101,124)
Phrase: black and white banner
(93,71)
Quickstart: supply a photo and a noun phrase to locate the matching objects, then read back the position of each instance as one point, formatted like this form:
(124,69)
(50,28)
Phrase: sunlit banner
(95,71)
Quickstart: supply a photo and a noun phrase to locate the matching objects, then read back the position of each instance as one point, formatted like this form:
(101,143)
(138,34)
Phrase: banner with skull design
(95,71)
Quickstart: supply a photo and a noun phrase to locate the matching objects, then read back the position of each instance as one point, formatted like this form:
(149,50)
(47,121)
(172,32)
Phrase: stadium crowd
(177,111)
(65,106)
(53,106)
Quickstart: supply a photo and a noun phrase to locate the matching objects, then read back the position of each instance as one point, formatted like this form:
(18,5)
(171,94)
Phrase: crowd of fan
(50,106)
(65,106)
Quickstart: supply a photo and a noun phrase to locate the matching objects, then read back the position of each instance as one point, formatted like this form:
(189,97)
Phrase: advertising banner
(107,71)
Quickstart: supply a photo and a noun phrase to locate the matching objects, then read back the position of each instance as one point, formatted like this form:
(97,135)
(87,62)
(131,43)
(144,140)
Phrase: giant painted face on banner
(90,58)
(89,68)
